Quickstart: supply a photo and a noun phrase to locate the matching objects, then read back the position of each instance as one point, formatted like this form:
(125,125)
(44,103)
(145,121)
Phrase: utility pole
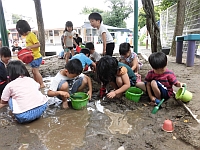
(3,30)
(136,26)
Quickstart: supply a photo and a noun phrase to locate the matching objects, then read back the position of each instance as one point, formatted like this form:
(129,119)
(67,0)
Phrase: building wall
(191,23)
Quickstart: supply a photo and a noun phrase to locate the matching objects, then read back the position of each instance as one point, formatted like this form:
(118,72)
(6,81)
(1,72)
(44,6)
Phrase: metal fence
(191,23)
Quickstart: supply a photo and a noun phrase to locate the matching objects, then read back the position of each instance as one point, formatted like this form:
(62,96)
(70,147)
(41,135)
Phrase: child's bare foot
(42,86)
(65,105)
(152,103)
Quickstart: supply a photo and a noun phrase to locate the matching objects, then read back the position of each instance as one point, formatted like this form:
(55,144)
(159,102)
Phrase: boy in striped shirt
(160,80)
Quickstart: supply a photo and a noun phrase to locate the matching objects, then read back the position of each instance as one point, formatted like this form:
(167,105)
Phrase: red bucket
(78,49)
(25,55)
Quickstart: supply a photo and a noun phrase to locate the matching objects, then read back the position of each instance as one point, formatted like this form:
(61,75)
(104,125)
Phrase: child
(69,40)
(160,80)
(5,55)
(128,57)
(120,75)
(22,94)
(94,56)
(61,53)
(108,43)
(16,47)
(68,81)
(83,57)
(32,44)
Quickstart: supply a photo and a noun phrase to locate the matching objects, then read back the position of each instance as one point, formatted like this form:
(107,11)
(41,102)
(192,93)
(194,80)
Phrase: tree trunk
(180,17)
(152,26)
(41,32)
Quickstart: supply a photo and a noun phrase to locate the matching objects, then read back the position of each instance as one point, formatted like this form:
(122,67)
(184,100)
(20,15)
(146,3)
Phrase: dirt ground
(143,129)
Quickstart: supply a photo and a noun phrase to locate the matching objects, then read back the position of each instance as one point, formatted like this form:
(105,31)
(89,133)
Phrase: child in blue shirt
(83,56)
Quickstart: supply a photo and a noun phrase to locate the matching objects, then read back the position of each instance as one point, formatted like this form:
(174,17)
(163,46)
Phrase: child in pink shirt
(22,94)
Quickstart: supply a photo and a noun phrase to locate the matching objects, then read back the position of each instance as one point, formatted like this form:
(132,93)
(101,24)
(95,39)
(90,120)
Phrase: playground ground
(117,124)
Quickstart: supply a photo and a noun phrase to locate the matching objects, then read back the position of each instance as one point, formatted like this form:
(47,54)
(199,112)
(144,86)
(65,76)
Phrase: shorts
(68,49)
(36,63)
(29,115)
(73,85)
(110,48)
(163,90)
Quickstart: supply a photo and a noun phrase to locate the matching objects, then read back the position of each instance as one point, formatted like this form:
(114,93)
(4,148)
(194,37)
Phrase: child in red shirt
(159,80)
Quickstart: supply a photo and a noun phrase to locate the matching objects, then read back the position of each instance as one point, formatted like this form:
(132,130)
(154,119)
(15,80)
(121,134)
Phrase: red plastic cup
(78,49)
(102,92)
(168,126)
(42,62)
(86,68)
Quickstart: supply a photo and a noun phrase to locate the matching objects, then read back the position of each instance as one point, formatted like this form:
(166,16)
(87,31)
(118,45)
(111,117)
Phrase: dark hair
(5,51)
(158,60)
(22,27)
(89,45)
(85,51)
(74,66)
(15,41)
(95,16)
(124,48)
(68,24)
(15,69)
(107,69)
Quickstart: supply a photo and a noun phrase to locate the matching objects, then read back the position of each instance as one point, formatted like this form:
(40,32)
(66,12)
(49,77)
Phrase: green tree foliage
(119,11)
(87,10)
(166,4)
(142,16)
(15,18)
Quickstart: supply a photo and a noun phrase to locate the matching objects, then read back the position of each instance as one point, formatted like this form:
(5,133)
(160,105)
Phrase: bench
(191,38)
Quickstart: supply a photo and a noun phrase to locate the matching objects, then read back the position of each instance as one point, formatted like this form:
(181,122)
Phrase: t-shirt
(123,68)
(83,58)
(31,39)
(3,76)
(18,48)
(101,30)
(3,72)
(130,59)
(69,38)
(25,94)
(59,77)
(96,56)
(168,79)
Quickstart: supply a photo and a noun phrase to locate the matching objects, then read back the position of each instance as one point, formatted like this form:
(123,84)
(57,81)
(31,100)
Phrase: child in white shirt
(107,39)
(94,56)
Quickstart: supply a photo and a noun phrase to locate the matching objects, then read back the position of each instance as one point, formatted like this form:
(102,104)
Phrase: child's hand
(64,94)
(111,94)
(28,48)
(183,84)
(90,94)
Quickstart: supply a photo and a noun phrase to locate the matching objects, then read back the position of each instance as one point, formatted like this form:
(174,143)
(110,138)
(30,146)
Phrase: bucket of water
(183,94)
(79,100)
(133,94)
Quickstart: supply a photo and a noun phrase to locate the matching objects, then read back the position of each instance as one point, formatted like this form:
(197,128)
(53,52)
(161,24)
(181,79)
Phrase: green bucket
(183,95)
(79,100)
(133,94)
